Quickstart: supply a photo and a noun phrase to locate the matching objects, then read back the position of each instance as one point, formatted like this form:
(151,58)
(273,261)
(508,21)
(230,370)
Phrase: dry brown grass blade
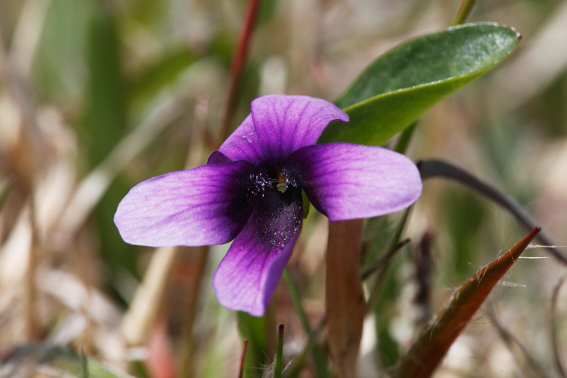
(434,341)
(344,296)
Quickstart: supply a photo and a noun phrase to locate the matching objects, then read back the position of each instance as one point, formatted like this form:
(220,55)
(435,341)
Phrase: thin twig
(379,283)
(463,12)
(436,168)
(237,67)
(553,322)
(366,273)
(243,358)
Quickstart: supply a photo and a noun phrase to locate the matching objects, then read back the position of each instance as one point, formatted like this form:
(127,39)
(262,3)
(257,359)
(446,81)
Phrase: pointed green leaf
(400,86)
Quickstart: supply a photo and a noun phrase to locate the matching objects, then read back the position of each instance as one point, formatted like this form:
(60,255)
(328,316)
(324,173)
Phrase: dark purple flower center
(272,178)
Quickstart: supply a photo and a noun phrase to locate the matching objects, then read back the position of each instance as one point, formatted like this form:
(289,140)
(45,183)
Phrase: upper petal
(349,181)
(249,273)
(243,144)
(286,123)
(202,206)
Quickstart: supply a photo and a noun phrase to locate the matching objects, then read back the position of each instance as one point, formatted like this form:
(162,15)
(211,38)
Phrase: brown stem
(344,296)
(243,358)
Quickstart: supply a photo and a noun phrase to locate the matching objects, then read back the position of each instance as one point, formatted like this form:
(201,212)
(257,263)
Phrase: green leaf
(400,86)
(162,73)
(106,116)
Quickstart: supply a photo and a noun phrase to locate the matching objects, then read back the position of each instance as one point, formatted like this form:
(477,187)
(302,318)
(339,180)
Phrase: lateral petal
(202,206)
(350,181)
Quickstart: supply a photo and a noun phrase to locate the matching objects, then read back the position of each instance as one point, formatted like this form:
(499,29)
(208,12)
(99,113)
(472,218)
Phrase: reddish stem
(238,66)
(240,374)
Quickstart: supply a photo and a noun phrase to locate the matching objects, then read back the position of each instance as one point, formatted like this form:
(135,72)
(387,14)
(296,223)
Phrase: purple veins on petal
(249,273)
(202,206)
(285,123)
(279,125)
(349,181)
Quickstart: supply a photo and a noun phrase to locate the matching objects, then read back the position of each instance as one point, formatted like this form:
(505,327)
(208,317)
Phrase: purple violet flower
(251,191)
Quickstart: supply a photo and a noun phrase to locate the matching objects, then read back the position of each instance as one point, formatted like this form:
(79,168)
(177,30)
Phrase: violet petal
(218,157)
(285,123)
(243,144)
(349,181)
(249,273)
(202,206)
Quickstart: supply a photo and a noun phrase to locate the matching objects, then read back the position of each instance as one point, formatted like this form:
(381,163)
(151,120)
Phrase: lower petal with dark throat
(249,273)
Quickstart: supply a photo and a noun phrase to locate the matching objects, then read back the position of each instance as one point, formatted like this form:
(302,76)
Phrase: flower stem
(237,67)
(437,168)
(463,12)
(344,295)
(278,369)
